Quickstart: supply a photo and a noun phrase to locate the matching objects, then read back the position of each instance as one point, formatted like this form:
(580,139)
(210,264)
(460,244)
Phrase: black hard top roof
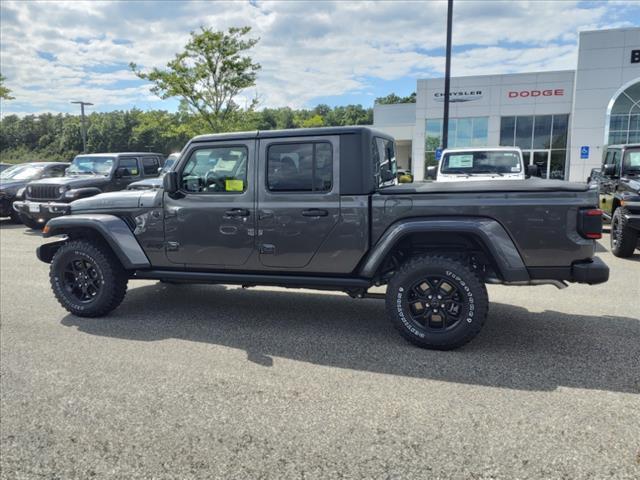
(292,132)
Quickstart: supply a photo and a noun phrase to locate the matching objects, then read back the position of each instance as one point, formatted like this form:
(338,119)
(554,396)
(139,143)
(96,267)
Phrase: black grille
(43,192)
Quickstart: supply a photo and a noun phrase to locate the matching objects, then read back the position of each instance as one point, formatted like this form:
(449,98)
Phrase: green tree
(4,91)
(393,98)
(208,75)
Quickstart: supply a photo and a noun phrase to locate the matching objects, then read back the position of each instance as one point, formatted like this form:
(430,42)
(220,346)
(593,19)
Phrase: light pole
(447,77)
(84,126)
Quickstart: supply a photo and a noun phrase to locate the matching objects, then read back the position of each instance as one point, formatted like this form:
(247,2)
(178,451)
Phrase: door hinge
(172,246)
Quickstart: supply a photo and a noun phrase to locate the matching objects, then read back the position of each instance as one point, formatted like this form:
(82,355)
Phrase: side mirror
(609,170)
(170,182)
(533,171)
(122,172)
(432,172)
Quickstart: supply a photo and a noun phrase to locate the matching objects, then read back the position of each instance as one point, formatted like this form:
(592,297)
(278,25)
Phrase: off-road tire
(29,222)
(112,276)
(624,239)
(471,317)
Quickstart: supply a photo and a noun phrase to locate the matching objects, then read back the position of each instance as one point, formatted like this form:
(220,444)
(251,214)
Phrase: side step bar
(335,283)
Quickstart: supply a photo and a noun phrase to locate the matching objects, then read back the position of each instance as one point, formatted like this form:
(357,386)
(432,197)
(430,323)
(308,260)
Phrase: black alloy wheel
(436,304)
(82,279)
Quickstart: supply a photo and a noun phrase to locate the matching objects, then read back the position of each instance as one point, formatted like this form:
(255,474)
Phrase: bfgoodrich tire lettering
(87,279)
(436,302)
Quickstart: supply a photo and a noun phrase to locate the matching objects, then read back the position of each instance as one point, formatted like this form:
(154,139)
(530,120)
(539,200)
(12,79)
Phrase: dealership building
(561,120)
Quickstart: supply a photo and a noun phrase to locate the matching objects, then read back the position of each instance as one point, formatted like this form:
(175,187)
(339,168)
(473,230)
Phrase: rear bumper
(41,211)
(591,272)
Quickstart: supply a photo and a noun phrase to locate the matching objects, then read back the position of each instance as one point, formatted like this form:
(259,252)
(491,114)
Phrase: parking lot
(220,382)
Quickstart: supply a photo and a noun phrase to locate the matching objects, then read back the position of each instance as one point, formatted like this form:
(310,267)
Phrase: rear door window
(300,167)
(131,165)
(150,165)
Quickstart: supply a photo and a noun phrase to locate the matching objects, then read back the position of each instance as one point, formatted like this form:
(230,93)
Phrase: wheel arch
(485,233)
(107,229)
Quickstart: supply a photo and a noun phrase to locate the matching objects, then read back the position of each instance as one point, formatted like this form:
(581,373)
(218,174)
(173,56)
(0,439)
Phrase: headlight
(62,189)
(20,193)
(29,189)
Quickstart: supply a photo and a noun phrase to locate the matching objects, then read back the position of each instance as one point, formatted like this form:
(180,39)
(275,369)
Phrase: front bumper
(591,272)
(41,212)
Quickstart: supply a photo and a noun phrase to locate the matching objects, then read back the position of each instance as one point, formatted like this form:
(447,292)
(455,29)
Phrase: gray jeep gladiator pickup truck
(321,208)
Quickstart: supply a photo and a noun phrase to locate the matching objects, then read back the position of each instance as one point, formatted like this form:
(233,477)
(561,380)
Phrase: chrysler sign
(459,96)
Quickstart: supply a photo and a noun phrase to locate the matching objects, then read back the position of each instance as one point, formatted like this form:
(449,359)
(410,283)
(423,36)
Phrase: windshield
(21,172)
(632,160)
(479,162)
(87,165)
(168,163)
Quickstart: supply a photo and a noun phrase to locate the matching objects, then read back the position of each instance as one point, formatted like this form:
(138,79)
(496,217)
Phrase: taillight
(590,223)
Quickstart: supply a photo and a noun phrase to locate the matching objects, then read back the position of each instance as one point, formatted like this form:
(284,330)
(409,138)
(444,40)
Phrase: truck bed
(529,185)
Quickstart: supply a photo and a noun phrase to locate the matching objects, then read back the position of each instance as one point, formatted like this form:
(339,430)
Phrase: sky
(337,53)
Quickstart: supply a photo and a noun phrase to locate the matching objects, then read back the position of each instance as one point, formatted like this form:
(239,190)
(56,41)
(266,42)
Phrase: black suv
(619,189)
(86,176)
(13,181)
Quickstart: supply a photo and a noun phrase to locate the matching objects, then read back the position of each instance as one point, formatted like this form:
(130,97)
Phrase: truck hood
(75,181)
(12,186)
(125,199)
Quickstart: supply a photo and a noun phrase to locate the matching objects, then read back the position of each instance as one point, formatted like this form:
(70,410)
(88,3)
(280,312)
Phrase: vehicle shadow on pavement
(517,349)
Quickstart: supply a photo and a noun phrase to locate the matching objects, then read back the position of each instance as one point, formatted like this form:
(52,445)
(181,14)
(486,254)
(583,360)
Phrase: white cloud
(307,50)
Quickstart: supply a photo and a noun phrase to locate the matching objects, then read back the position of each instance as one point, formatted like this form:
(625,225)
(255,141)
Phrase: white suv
(498,163)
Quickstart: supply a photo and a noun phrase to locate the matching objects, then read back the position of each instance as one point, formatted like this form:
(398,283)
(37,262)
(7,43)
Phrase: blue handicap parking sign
(438,153)
(584,151)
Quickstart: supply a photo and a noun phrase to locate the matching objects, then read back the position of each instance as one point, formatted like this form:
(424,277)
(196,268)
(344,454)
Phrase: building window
(463,132)
(624,122)
(544,134)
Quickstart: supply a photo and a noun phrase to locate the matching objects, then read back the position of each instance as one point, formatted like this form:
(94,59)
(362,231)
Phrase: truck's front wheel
(87,279)
(436,302)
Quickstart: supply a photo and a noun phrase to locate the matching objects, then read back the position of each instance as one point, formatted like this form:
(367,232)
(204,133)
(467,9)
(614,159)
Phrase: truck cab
(476,164)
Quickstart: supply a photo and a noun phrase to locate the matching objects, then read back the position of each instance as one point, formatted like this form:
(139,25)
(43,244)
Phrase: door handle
(315,212)
(236,212)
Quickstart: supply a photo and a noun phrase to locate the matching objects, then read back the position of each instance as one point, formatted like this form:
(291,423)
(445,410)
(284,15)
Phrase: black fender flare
(487,230)
(112,229)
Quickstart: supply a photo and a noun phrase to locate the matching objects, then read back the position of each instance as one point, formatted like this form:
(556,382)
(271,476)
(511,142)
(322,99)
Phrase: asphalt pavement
(220,382)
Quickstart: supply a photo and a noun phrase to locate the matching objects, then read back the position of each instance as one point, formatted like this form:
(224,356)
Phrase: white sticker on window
(461,161)
(515,169)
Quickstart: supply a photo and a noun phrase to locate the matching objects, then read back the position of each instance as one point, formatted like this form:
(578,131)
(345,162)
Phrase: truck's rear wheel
(624,239)
(87,279)
(436,302)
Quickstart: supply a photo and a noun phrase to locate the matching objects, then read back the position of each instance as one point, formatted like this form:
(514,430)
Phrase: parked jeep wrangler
(86,176)
(321,208)
(619,189)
